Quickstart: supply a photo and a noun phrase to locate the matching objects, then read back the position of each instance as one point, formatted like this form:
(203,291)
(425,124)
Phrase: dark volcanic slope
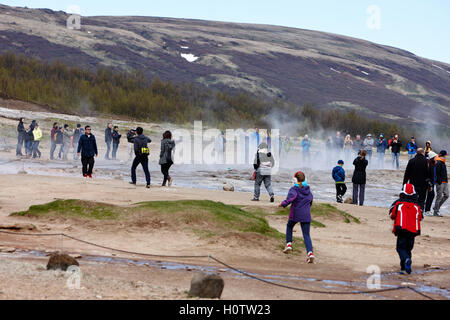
(299,65)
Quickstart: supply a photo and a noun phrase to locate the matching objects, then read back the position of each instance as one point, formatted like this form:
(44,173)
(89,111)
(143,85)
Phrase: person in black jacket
(87,146)
(29,139)
(142,152)
(77,133)
(165,157)
(359,178)
(441,183)
(433,179)
(396,146)
(417,173)
(108,140)
(116,140)
(20,137)
(130,138)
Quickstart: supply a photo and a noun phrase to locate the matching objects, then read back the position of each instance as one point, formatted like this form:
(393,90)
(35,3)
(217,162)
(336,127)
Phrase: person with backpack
(37,133)
(338,175)
(115,141)
(108,140)
(300,198)
(441,183)
(396,146)
(417,173)
(263,164)
(142,152)
(359,178)
(130,138)
(77,133)
(87,146)
(407,216)
(20,137)
(53,140)
(165,157)
(411,147)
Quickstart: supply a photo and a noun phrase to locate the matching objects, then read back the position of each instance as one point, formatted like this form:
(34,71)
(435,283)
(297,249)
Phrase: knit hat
(408,189)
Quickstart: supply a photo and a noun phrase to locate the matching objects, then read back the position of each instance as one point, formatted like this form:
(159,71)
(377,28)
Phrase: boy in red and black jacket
(407,215)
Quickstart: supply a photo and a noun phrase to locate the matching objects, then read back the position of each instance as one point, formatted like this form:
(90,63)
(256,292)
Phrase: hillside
(300,66)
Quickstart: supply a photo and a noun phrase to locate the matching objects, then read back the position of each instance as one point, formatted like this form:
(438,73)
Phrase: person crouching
(300,198)
(407,215)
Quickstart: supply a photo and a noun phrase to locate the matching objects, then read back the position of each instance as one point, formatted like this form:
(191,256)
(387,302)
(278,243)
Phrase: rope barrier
(210,257)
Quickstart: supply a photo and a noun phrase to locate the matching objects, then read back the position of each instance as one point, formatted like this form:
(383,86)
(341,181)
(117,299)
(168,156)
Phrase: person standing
(60,141)
(108,140)
(411,147)
(20,137)
(433,181)
(338,145)
(300,198)
(306,145)
(87,146)
(329,150)
(53,140)
(130,138)
(407,215)
(382,145)
(428,147)
(368,145)
(359,178)
(165,157)
(29,139)
(417,173)
(441,183)
(115,140)
(77,133)
(67,141)
(357,145)
(338,175)
(37,133)
(142,152)
(396,146)
(263,164)
(348,147)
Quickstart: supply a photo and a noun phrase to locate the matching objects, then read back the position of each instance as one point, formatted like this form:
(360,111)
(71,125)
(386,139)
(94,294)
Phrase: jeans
(88,165)
(341,189)
(441,196)
(108,149)
(20,141)
(405,244)
(36,152)
(66,148)
(395,157)
(29,147)
(130,151)
(114,150)
(52,149)
(361,188)
(267,183)
(381,160)
(369,157)
(430,198)
(143,160)
(165,171)
(75,149)
(305,231)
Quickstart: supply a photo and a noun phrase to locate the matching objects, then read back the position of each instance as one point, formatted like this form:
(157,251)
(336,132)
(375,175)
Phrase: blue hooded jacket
(338,174)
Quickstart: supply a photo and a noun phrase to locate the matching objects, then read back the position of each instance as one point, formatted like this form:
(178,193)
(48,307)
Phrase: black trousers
(88,165)
(405,244)
(430,198)
(422,193)
(143,160)
(165,171)
(341,189)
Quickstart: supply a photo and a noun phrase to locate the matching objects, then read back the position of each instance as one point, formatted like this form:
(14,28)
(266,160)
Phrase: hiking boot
(272,199)
(254,199)
(437,214)
(131,182)
(408,263)
(288,248)
(310,258)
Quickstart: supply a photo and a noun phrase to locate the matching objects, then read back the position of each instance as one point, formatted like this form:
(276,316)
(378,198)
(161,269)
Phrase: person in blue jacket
(382,145)
(411,147)
(306,145)
(338,175)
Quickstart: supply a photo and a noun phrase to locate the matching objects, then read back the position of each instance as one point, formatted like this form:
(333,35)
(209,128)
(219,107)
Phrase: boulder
(228,187)
(349,200)
(206,285)
(18,226)
(61,261)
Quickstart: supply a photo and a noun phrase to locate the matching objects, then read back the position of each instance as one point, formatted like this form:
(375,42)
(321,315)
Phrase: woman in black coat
(359,178)
(165,157)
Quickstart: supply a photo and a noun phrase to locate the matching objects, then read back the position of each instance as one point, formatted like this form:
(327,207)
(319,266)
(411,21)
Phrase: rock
(349,200)
(19,226)
(222,270)
(8,250)
(228,187)
(61,261)
(426,265)
(206,285)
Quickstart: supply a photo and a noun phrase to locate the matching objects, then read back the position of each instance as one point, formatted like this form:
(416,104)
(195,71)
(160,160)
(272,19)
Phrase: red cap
(408,189)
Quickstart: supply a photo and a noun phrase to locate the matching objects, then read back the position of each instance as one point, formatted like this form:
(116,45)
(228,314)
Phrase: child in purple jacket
(300,198)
